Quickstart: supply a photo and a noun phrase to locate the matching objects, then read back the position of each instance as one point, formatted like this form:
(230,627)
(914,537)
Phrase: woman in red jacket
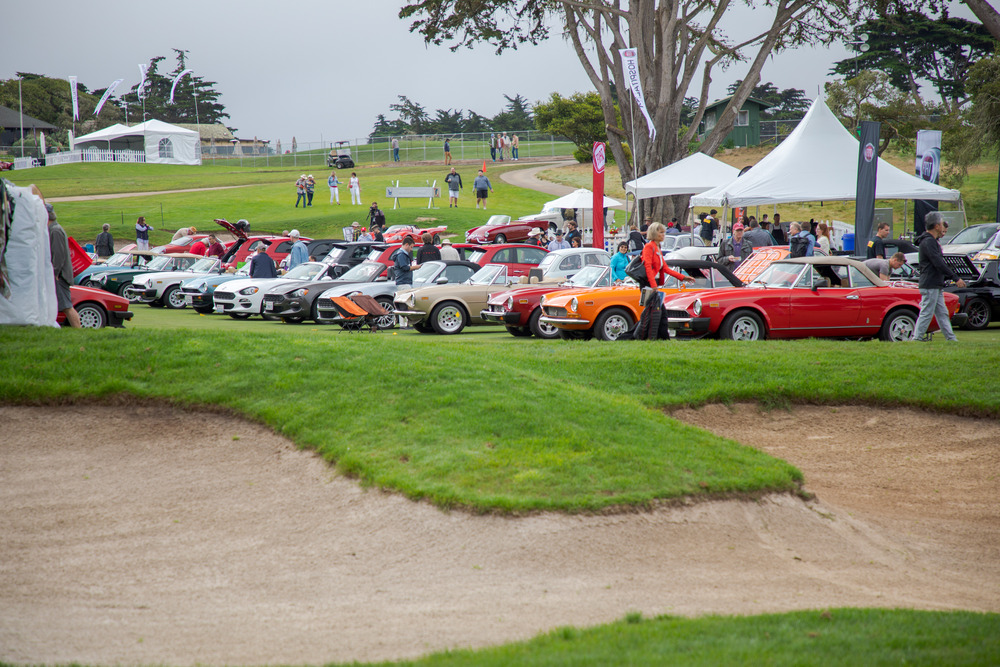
(656,270)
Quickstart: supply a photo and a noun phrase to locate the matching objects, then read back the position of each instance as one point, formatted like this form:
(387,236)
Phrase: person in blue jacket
(300,252)
(619,262)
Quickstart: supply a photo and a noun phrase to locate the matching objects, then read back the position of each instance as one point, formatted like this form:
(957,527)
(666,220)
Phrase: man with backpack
(800,241)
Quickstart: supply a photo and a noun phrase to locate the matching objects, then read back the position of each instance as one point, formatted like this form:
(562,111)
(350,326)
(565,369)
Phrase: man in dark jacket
(401,263)
(262,266)
(933,272)
(62,267)
(105,244)
(734,250)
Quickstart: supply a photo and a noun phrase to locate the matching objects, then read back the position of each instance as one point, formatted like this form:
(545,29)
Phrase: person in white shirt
(354,185)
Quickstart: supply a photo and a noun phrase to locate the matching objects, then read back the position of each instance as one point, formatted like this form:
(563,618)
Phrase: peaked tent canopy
(162,142)
(818,161)
(581,198)
(695,173)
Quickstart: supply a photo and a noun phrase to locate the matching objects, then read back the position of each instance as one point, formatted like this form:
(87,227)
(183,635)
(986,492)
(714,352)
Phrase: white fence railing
(25,162)
(105,155)
(63,158)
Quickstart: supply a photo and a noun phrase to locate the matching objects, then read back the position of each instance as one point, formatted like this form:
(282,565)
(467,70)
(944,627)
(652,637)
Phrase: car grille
(274,298)
(552,311)
(225,296)
(676,313)
(325,304)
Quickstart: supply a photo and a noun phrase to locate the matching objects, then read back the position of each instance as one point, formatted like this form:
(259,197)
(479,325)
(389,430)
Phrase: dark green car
(117,280)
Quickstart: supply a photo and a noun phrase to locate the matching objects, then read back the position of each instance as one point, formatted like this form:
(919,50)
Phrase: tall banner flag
(630,65)
(928,168)
(864,205)
(107,93)
(73,96)
(141,90)
(598,188)
(176,80)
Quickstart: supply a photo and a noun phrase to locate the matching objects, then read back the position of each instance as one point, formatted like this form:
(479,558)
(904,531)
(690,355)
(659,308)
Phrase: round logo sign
(869,152)
(599,158)
(629,53)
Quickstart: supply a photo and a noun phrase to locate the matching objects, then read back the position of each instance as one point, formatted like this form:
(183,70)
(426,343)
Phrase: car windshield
(161,263)
(184,240)
(475,256)
(363,272)
(590,276)
(400,228)
(119,259)
(780,274)
(336,255)
(498,220)
(976,234)
(427,271)
(491,274)
(306,271)
(204,265)
(548,261)
(668,242)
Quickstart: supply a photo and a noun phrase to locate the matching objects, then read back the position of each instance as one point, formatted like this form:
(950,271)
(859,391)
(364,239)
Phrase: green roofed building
(746,131)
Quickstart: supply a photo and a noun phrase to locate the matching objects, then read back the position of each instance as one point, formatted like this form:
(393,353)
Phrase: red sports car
(396,233)
(97,308)
(500,229)
(804,297)
(517,257)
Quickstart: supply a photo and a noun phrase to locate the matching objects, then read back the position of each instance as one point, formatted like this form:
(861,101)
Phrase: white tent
(162,143)
(818,161)
(581,198)
(31,297)
(695,173)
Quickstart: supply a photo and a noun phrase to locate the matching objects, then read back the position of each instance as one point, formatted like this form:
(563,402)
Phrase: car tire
(539,329)
(979,314)
(448,318)
(173,298)
(124,291)
(575,334)
(898,326)
(240,316)
(92,316)
(519,332)
(612,323)
(501,238)
(386,321)
(437,239)
(420,327)
(743,325)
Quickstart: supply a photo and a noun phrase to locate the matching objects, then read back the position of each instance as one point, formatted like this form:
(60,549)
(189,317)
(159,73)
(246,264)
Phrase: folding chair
(352,316)
(375,311)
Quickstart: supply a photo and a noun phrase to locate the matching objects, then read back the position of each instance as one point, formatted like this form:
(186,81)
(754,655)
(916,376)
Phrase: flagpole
(20,105)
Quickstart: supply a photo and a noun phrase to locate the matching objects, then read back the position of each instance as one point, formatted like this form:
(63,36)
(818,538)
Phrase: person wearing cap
(365,235)
(448,251)
(310,189)
(142,234)
(62,267)
(300,190)
(375,215)
(559,243)
(536,237)
(734,250)
(182,232)
(300,252)
(262,264)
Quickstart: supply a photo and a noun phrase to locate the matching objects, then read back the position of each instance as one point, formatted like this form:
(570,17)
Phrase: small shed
(746,131)
(11,122)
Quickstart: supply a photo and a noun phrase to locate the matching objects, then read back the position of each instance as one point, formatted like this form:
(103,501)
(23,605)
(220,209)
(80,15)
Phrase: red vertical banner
(598,188)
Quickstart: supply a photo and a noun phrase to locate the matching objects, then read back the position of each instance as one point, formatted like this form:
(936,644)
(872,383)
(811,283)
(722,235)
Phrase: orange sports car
(608,312)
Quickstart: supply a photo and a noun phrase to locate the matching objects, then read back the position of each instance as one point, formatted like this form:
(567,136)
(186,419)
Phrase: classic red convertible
(396,233)
(500,229)
(97,308)
(804,297)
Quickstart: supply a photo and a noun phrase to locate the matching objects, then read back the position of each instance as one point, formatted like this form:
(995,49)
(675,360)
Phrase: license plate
(220,309)
(268,306)
(188,299)
(402,322)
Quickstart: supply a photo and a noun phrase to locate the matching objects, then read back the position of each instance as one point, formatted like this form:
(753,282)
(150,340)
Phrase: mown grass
(847,637)
(267,200)
(489,422)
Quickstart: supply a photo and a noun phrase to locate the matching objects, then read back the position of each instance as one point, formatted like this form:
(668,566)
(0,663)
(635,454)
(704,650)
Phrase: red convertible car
(396,233)
(804,297)
(97,308)
(500,229)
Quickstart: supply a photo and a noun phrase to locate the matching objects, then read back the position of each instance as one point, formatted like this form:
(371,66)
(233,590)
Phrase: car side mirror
(819,282)
(442,280)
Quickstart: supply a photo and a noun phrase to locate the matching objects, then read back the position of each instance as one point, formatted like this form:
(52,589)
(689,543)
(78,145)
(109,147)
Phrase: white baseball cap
(293,234)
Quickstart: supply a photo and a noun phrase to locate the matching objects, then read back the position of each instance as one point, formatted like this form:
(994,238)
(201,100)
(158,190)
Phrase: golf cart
(340,155)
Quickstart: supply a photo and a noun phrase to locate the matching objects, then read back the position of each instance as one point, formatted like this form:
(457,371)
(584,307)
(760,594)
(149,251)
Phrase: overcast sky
(316,69)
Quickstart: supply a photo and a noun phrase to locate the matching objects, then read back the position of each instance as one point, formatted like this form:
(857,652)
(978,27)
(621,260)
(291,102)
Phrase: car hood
(961,248)
(212,280)
(149,278)
(371,289)
(526,292)
(263,284)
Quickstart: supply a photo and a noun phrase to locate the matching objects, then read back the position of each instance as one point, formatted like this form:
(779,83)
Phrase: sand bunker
(157,535)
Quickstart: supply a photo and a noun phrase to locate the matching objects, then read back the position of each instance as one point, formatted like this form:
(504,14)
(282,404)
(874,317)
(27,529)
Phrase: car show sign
(864,209)
(75,98)
(928,168)
(598,189)
(630,65)
(107,93)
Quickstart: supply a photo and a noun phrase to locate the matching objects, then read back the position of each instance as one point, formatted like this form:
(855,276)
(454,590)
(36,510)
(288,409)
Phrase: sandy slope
(174,542)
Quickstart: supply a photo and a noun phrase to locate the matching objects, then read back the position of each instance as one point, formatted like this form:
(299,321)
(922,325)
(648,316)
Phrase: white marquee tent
(695,173)
(818,161)
(162,143)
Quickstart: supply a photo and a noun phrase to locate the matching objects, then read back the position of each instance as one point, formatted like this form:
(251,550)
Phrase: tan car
(447,309)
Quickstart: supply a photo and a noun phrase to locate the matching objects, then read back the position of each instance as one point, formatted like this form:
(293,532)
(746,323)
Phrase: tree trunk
(987,14)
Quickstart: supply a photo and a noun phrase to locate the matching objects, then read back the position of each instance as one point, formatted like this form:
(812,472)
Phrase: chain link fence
(773,131)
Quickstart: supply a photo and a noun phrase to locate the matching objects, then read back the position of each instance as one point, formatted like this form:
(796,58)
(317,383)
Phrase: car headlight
(510,303)
(247,291)
(410,300)
(202,288)
(541,302)
(302,291)
(573,303)
(696,307)
(103,278)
